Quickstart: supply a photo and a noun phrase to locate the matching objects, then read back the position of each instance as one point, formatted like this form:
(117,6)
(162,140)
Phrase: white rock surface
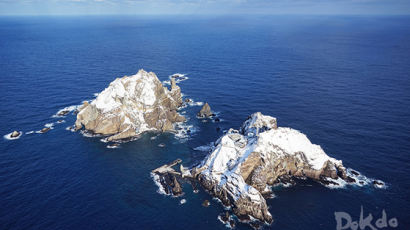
(130,106)
(244,163)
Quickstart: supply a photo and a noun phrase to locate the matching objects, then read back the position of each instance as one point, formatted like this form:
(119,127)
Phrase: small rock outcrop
(206,203)
(45,129)
(205,111)
(130,106)
(15,134)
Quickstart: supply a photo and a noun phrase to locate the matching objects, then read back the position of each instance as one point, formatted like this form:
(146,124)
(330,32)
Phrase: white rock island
(130,106)
(243,164)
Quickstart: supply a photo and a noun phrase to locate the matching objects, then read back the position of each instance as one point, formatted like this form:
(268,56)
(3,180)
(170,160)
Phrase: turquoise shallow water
(343,81)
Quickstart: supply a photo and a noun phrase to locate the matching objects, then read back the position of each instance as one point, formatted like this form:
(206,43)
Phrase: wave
(70,128)
(205,148)
(157,182)
(49,125)
(65,111)
(85,133)
(113,146)
(183,130)
(179,77)
(193,103)
(360,180)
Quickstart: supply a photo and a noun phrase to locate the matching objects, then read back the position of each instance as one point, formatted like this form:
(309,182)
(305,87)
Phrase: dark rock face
(170,184)
(15,134)
(245,207)
(205,111)
(227,219)
(176,188)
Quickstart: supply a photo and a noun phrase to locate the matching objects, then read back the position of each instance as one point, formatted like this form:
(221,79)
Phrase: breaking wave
(65,111)
(157,182)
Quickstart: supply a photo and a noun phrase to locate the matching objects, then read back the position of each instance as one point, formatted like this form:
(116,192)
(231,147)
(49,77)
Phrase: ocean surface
(343,81)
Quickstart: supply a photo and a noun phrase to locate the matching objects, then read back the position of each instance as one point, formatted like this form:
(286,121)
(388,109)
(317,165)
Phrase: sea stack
(205,111)
(130,106)
(15,134)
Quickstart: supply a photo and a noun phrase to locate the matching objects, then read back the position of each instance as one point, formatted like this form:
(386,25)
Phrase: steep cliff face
(130,106)
(244,163)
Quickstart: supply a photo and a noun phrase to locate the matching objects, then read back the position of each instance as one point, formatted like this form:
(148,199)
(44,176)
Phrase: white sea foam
(205,148)
(179,77)
(183,130)
(195,103)
(85,133)
(49,125)
(113,146)
(227,224)
(67,109)
(60,121)
(340,183)
(8,136)
(70,128)
(30,132)
(360,179)
(156,179)
(105,140)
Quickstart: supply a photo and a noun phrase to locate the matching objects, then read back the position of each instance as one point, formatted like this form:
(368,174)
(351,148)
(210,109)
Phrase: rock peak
(257,123)
(131,105)
(243,164)
(205,111)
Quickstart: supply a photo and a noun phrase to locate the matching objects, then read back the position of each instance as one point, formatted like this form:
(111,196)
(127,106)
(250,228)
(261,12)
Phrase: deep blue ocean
(343,81)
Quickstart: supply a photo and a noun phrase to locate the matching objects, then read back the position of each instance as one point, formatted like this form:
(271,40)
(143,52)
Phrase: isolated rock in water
(205,111)
(15,134)
(130,106)
(206,203)
(44,130)
(243,164)
(378,183)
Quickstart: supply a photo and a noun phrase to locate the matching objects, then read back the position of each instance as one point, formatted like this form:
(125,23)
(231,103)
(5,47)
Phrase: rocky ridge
(243,164)
(130,106)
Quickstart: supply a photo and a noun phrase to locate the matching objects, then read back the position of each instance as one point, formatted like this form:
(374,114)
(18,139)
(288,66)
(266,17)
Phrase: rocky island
(243,164)
(130,106)
(205,111)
